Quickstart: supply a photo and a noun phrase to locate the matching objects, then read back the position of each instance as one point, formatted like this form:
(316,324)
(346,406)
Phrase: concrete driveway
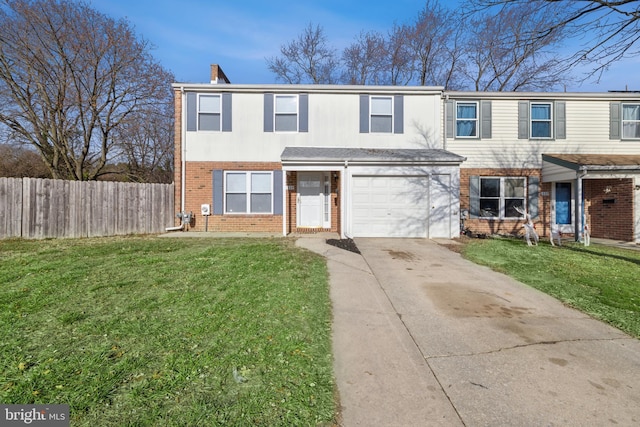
(422,337)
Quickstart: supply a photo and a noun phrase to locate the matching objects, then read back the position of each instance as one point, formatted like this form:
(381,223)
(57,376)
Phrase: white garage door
(390,206)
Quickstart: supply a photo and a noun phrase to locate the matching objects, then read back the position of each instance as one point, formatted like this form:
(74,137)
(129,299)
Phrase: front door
(563,207)
(310,199)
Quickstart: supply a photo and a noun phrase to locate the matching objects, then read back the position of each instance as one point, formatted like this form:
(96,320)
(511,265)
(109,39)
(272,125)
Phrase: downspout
(444,122)
(183,149)
(183,164)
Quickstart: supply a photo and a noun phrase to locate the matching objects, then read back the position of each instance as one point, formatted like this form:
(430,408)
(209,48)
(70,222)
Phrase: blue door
(563,203)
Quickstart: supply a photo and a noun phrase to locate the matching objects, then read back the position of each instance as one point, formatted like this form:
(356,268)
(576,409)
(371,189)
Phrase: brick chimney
(217,75)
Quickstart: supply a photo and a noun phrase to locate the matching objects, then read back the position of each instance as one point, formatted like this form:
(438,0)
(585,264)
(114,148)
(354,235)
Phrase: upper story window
(500,196)
(382,114)
(286,113)
(466,120)
(209,112)
(248,192)
(631,121)
(541,123)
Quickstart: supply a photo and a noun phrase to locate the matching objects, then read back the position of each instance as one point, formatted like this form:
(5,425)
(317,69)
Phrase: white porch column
(636,210)
(578,229)
(284,202)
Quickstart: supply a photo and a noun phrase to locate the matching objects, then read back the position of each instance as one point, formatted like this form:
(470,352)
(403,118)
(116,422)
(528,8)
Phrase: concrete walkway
(422,337)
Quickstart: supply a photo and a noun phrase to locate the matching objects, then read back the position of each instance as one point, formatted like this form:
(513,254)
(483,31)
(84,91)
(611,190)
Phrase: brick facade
(609,206)
(504,226)
(199,190)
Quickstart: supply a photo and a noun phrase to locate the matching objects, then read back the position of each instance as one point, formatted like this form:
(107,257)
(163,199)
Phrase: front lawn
(157,331)
(601,281)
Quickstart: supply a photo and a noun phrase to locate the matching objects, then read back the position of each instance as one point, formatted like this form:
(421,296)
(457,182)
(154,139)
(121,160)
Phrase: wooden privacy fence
(33,208)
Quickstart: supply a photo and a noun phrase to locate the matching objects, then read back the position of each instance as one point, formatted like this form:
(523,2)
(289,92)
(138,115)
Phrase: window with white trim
(500,196)
(381,118)
(631,121)
(286,113)
(209,112)
(248,192)
(466,120)
(541,122)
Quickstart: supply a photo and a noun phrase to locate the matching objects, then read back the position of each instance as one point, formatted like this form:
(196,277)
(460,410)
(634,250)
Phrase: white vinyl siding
(587,131)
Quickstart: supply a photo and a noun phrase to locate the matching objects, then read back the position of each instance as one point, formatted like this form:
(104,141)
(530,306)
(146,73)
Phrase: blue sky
(189,35)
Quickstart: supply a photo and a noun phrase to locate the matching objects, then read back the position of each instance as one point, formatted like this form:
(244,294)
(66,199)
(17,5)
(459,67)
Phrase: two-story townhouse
(356,160)
(403,161)
(571,159)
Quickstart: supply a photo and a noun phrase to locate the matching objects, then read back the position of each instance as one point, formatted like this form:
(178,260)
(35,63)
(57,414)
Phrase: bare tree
(364,60)
(399,58)
(307,59)
(69,78)
(20,162)
(441,47)
(501,56)
(146,145)
(427,39)
(607,31)
(451,71)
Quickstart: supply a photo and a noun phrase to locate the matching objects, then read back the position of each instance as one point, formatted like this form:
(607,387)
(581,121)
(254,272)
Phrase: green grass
(601,281)
(154,331)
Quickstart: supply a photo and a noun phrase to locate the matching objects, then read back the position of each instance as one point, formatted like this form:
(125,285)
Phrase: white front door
(310,199)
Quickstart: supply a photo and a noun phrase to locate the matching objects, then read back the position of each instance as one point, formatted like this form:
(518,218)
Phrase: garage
(381,192)
(390,206)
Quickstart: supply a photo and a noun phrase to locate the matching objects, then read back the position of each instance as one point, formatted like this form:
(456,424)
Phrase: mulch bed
(346,244)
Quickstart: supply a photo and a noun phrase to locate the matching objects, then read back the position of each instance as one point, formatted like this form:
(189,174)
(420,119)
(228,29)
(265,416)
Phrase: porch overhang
(330,158)
(567,167)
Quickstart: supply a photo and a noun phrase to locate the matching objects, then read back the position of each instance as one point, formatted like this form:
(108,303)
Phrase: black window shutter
(474,196)
(226,112)
(614,120)
(398,114)
(218,192)
(364,113)
(485,117)
(268,112)
(277,192)
(533,192)
(303,125)
(192,111)
(523,120)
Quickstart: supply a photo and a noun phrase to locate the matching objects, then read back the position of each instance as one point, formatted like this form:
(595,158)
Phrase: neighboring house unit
(387,161)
